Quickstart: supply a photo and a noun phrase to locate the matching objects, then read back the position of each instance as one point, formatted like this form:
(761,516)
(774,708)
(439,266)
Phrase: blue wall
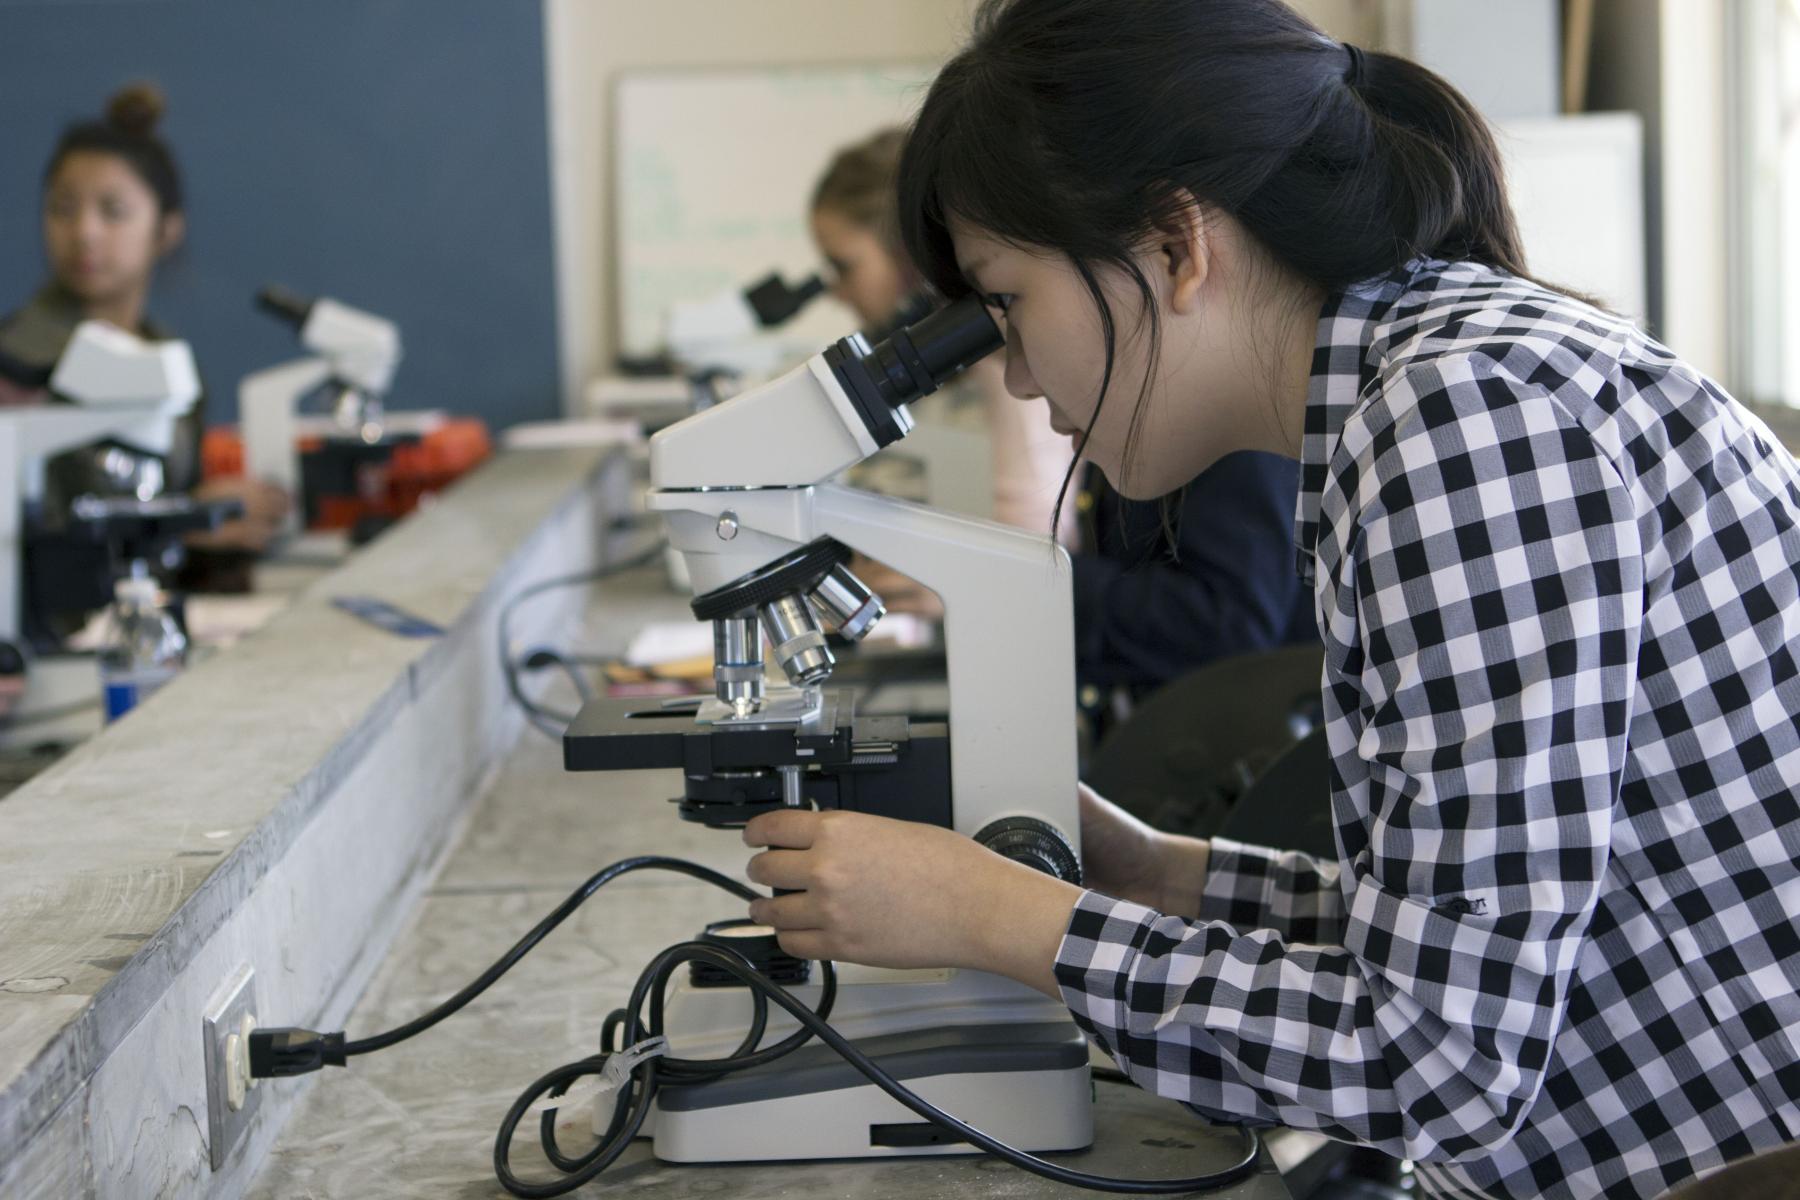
(392,154)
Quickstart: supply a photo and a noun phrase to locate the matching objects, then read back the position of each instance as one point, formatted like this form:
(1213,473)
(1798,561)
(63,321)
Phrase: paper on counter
(222,620)
(669,641)
(589,431)
(663,642)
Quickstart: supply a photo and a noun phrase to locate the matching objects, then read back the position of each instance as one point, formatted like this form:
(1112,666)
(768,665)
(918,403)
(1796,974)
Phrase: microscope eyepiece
(289,306)
(775,301)
(916,360)
(953,337)
(912,361)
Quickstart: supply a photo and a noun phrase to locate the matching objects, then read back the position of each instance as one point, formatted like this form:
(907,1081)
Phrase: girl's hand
(1124,858)
(15,395)
(902,894)
(265,508)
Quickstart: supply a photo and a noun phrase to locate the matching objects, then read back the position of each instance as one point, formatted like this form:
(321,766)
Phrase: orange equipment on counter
(390,487)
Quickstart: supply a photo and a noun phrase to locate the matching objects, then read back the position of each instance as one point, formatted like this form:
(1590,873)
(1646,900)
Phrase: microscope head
(727,333)
(792,433)
(362,348)
(829,413)
(104,366)
(119,387)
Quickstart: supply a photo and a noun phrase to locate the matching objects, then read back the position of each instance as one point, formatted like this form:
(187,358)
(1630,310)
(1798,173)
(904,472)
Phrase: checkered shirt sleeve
(1253,887)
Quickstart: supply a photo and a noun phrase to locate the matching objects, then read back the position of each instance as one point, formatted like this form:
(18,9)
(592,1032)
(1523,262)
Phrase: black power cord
(634,1103)
(286,1051)
(275,1055)
(639,1088)
(549,721)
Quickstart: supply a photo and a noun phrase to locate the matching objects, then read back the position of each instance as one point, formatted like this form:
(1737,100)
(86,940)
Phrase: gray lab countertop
(418,1120)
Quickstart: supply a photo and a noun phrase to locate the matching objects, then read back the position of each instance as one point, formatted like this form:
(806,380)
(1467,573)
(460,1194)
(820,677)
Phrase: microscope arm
(267,404)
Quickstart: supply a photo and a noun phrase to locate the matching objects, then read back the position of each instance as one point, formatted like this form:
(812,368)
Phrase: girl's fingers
(793,912)
(780,869)
(790,828)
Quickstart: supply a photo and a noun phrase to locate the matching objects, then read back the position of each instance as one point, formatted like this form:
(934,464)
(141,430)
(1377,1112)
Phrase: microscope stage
(888,766)
(624,735)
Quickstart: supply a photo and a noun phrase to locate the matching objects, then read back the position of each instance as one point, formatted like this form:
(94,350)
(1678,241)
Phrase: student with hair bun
(1557,575)
(113,209)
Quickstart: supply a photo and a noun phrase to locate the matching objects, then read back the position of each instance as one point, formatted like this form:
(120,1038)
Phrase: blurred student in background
(113,210)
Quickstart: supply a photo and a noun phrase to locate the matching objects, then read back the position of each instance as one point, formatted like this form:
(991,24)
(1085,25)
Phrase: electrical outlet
(232,1097)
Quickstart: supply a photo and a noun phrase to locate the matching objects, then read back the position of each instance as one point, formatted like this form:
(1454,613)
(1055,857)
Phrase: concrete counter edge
(372,748)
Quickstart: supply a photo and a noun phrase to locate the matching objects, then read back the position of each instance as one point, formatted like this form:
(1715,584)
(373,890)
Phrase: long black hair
(1087,126)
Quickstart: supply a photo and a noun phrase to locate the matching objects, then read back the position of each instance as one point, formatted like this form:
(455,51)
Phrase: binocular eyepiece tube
(915,360)
(911,361)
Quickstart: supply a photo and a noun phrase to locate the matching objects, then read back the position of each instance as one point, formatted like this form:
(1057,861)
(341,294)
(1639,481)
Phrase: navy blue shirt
(1147,612)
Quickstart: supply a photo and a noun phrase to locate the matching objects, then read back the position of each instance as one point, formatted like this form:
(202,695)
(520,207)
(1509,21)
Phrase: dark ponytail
(1090,126)
(1085,125)
(1445,186)
(128,132)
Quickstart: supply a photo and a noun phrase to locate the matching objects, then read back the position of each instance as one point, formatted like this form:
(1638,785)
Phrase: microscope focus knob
(1037,844)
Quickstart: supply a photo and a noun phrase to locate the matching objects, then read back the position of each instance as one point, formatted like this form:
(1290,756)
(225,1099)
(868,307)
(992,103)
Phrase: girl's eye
(999,300)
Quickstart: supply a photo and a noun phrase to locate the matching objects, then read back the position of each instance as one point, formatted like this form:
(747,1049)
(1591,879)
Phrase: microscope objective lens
(793,630)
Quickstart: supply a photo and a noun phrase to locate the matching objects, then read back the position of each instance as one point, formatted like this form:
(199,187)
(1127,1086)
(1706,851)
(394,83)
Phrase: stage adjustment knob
(1038,844)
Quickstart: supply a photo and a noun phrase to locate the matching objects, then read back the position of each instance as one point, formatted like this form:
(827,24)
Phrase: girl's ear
(170,231)
(1185,251)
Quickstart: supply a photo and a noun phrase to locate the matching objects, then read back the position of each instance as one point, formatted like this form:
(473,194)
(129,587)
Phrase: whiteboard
(712,173)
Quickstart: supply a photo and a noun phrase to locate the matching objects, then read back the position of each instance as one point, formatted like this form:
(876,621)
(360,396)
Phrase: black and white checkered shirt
(1556,576)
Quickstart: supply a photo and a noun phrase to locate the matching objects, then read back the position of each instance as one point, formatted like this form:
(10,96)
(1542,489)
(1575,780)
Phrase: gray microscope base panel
(1041,1111)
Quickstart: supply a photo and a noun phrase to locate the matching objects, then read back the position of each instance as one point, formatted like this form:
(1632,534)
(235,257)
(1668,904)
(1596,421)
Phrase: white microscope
(354,355)
(766,540)
(119,387)
(709,347)
(731,332)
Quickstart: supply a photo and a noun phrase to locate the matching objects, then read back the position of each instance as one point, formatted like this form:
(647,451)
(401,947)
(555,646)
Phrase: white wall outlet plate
(232,1097)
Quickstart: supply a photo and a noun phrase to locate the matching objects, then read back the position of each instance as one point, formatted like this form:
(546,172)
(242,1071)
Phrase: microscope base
(989,1051)
(61,704)
(1027,1086)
